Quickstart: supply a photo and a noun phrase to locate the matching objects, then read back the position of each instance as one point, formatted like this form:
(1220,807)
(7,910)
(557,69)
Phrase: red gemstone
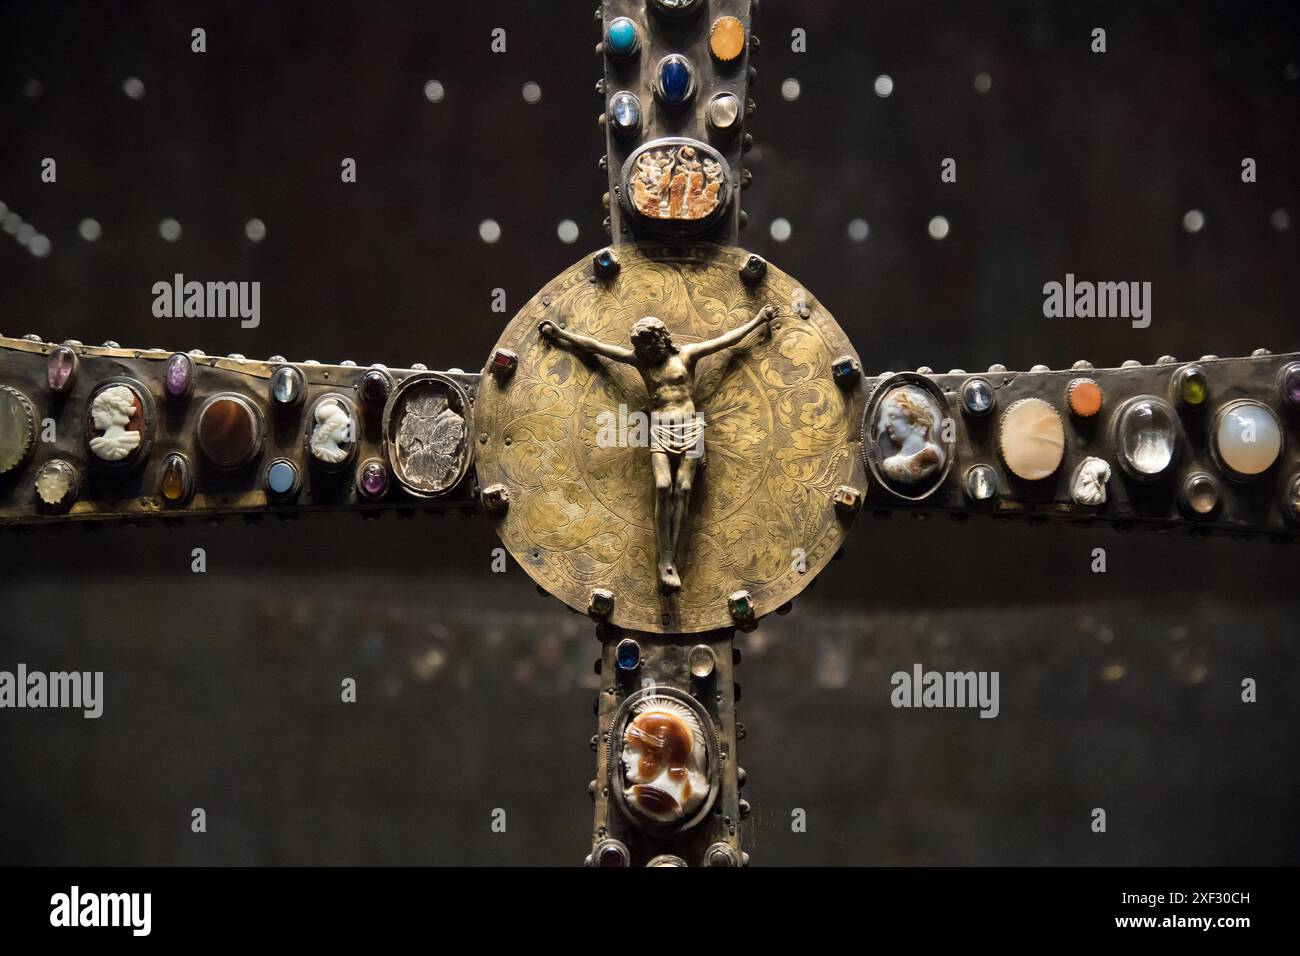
(504,362)
(58,371)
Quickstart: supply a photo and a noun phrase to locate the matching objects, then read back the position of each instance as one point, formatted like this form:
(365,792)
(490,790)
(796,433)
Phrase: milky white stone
(1248,438)
(1032,438)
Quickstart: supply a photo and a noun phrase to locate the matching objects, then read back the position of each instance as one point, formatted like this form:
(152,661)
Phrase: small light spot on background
(32,88)
(255,229)
(938,227)
(90,230)
(433,91)
(859,230)
(1194,221)
(884,85)
(489,231)
(1280,220)
(983,83)
(133,87)
(532,92)
(790,89)
(567,230)
(780,229)
(40,246)
(169,229)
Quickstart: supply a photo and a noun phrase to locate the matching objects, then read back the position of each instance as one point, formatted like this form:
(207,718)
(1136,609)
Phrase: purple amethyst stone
(179,375)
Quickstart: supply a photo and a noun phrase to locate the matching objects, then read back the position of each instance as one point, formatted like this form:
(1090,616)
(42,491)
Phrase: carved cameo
(1089,484)
(334,431)
(116,421)
(665,761)
(675,185)
(908,441)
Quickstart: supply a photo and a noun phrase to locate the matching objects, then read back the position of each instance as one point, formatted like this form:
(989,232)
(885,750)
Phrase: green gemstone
(1194,389)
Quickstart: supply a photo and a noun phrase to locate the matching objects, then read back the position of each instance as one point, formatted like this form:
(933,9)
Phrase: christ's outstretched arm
(692,353)
(549,330)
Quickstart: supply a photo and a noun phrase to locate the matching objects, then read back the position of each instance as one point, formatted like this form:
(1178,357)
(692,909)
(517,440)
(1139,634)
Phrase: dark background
(1118,690)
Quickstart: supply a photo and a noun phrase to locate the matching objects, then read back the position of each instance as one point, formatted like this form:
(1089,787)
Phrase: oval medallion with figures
(675,476)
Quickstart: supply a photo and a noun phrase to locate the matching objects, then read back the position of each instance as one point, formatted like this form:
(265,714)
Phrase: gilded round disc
(780,438)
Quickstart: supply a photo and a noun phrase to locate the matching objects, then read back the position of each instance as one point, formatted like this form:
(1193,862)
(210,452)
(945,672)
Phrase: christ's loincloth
(678,435)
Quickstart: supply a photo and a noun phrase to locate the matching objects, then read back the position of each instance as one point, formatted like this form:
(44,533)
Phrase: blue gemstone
(605,258)
(622,37)
(281,477)
(674,79)
(628,655)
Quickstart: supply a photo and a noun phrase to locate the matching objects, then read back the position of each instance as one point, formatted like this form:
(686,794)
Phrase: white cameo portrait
(1089,486)
(334,432)
(665,761)
(905,435)
(111,413)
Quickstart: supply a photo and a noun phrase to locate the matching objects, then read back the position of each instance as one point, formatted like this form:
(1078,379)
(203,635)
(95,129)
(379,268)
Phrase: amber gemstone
(727,40)
(228,431)
(175,479)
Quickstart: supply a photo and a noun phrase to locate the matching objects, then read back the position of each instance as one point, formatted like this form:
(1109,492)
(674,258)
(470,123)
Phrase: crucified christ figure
(676,428)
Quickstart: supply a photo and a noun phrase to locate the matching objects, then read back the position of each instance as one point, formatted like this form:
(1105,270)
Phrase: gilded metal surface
(782,437)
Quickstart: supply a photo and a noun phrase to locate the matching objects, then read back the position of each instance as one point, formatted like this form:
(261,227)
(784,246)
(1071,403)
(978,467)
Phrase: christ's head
(651,341)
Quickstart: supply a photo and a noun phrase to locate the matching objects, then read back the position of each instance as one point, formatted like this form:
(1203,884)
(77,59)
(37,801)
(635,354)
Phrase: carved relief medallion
(425,434)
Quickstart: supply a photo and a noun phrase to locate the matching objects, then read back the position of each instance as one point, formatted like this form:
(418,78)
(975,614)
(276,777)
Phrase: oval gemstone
(977,396)
(675,79)
(724,112)
(1147,437)
(1201,494)
(1084,397)
(1193,386)
(287,385)
(628,655)
(281,477)
(981,483)
(228,432)
(375,387)
(1291,384)
(59,368)
(374,479)
(1032,439)
(727,40)
(625,111)
(178,376)
(175,479)
(57,484)
(621,38)
(1248,438)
